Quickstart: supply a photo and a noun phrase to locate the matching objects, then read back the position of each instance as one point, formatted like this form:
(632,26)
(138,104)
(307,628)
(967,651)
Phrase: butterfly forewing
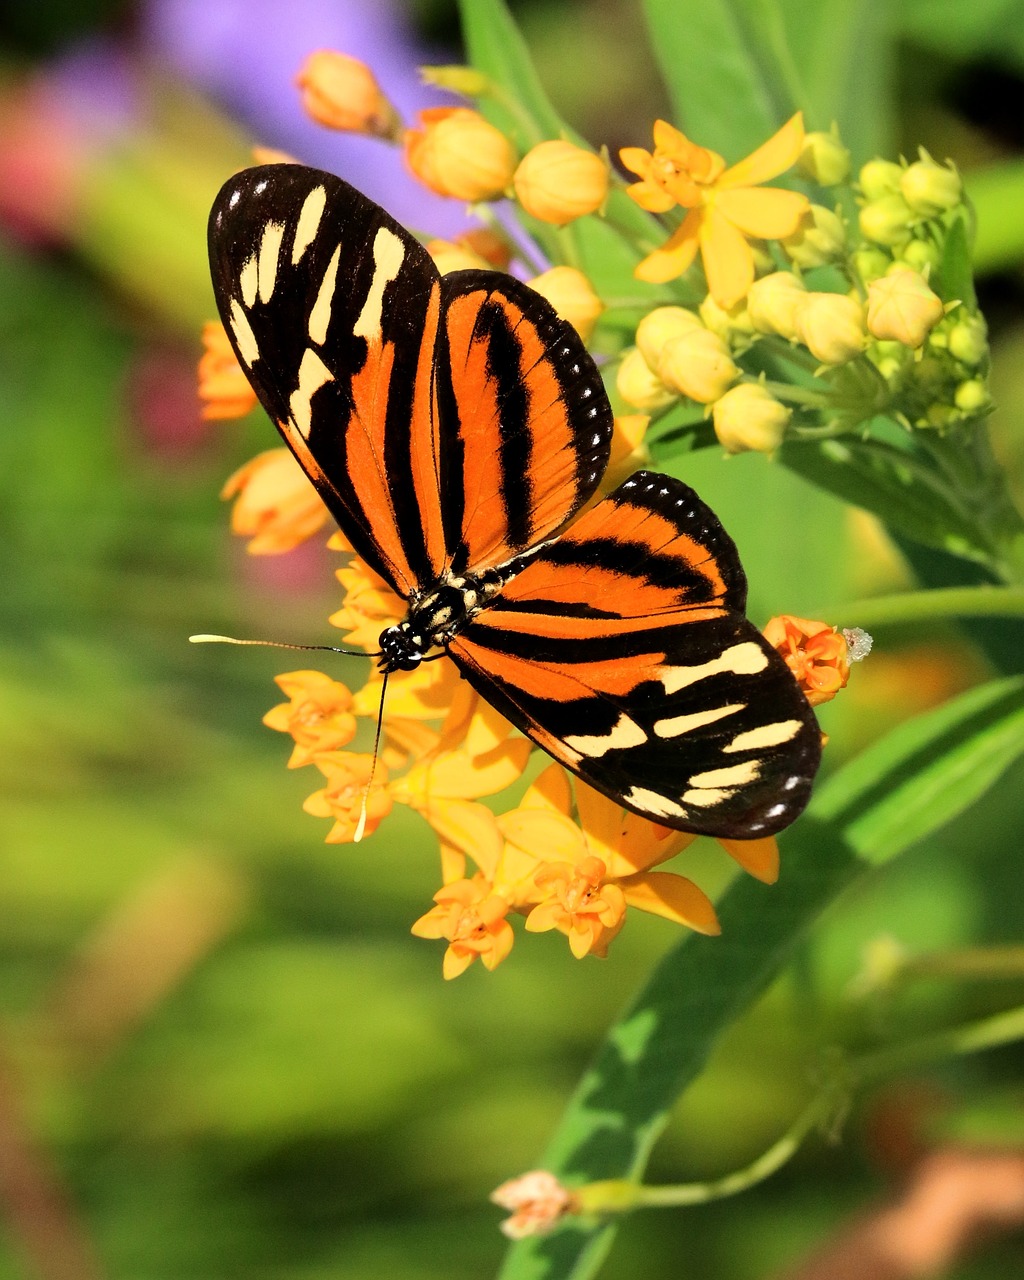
(620,649)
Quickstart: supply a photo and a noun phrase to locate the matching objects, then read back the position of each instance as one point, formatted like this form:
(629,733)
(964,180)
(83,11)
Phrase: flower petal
(779,153)
(675,255)
(768,212)
(759,858)
(728,259)
(663,894)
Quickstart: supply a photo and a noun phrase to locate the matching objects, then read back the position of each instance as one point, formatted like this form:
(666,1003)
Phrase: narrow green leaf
(997,195)
(955,277)
(903,490)
(897,792)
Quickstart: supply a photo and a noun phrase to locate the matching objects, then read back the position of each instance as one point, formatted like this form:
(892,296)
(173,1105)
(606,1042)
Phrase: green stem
(986,1033)
(795,395)
(936,606)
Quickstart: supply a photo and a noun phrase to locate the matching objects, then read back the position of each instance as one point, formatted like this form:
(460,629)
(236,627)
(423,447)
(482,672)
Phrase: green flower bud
(972,397)
(968,340)
(820,238)
(921,255)
(871,262)
(880,178)
(824,159)
(886,220)
(929,188)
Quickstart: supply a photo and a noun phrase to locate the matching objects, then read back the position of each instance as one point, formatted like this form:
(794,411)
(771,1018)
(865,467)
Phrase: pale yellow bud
(972,397)
(902,308)
(887,220)
(772,302)
(697,364)
(824,159)
(457,153)
(871,263)
(731,323)
(749,417)
(929,188)
(638,386)
(557,182)
(921,255)
(831,327)
(660,326)
(342,93)
(453,257)
(968,340)
(879,178)
(572,296)
(820,238)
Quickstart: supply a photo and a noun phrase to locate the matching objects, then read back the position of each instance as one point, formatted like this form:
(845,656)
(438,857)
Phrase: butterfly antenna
(280,644)
(361,824)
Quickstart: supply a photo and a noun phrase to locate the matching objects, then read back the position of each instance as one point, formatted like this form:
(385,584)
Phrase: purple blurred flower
(245,54)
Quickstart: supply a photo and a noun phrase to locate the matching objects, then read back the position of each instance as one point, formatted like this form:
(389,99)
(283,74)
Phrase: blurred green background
(221,1054)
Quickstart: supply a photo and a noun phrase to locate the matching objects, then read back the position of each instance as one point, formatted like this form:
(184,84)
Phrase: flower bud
(879,178)
(901,307)
(749,417)
(871,262)
(831,326)
(557,182)
(638,386)
(628,451)
(889,358)
(886,220)
(972,397)
(224,389)
(697,364)
(456,153)
(968,340)
(455,257)
(920,255)
(271,155)
(929,188)
(772,302)
(820,238)
(572,296)
(659,326)
(340,92)
(729,324)
(824,159)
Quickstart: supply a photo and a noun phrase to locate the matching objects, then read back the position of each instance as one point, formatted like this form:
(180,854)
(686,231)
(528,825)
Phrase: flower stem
(936,606)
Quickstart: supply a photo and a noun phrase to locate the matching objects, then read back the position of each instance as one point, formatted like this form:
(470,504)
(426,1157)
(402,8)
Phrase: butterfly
(454,426)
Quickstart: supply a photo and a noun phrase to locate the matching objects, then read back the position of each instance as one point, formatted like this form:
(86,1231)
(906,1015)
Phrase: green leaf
(902,489)
(997,195)
(955,277)
(897,792)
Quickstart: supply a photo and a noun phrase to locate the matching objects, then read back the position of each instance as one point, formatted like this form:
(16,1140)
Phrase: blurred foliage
(216,1036)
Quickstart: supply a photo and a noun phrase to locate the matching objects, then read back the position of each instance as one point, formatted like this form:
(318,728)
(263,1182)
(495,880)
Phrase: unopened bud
(557,182)
(820,238)
(572,296)
(697,364)
(454,257)
(729,323)
(639,386)
(901,308)
(972,397)
(457,153)
(824,159)
(870,262)
(886,220)
(920,255)
(772,302)
(968,340)
(831,327)
(929,188)
(750,418)
(340,92)
(879,178)
(660,326)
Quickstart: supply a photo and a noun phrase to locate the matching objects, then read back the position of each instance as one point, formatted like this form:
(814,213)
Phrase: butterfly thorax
(435,615)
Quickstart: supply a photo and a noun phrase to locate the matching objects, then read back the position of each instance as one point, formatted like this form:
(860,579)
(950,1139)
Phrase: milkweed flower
(824,158)
(697,364)
(817,654)
(318,715)
(276,507)
(639,385)
(572,296)
(472,918)
(352,780)
(342,93)
(537,1201)
(929,188)
(457,153)
(224,390)
(772,303)
(727,207)
(831,326)
(819,239)
(902,308)
(558,182)
(750,418)
(659,327)
(449,256)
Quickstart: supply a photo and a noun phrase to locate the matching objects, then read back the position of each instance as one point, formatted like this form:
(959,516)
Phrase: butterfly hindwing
(447,423)
(622,650)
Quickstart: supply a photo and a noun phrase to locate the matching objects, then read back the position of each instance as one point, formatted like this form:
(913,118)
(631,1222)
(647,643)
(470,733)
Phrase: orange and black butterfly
(454,426)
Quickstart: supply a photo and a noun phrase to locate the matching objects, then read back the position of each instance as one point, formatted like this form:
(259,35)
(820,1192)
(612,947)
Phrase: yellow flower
(318,714)
(350,777)
(559,182)
(750,418)
(572,296)
(275,505)
(342,93)
(457,153)
(817,654)
(901,308)
(224,389)
(472,918)
(726,206)
(697,364)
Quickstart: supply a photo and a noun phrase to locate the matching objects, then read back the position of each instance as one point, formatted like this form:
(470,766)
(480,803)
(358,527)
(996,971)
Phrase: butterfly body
(455,426)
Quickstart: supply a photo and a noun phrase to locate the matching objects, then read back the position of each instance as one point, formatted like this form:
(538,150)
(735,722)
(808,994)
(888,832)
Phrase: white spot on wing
(733,775)
(309,220)
(388,256)
(676,726)
(313,373)
(320,316)
(744,659)
(245,339)
(765,735)
(651,802)
(270,253)
(249,280)
(624,733)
